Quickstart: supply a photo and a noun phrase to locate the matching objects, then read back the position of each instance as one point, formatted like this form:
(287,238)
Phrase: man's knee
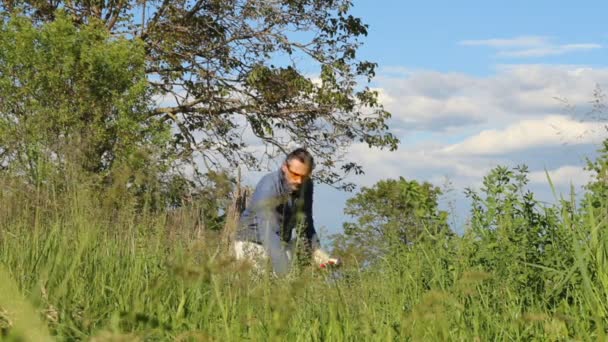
(259,257)
(246,250)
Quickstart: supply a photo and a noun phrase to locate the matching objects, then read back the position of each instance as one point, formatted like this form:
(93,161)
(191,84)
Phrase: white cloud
(549,50)
(421,161)
(517,42)
(549,130)
(529,46)
(563,176)
(434,101)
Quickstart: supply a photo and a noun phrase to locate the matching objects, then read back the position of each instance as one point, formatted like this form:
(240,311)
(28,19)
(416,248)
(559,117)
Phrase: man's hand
(324,260)
(331,262)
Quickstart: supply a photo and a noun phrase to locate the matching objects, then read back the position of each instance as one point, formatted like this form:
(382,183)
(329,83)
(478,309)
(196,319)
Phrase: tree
(74,106)
(231,66)
(75,95)
(391,213)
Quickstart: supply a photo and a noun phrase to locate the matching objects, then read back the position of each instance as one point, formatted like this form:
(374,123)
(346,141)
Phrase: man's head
(297,168)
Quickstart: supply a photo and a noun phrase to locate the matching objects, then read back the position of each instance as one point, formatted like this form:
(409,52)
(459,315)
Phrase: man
(281,202)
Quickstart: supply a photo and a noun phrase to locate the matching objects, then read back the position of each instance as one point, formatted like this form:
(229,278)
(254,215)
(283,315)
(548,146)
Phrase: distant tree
(391,213)
(286,70)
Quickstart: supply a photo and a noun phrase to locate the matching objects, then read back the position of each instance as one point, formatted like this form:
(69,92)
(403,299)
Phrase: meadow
(73,269)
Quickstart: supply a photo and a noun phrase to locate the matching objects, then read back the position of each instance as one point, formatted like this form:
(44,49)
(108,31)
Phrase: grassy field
(73,269)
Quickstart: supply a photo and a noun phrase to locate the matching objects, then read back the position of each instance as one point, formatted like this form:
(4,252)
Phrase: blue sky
(474,84)
(426,34)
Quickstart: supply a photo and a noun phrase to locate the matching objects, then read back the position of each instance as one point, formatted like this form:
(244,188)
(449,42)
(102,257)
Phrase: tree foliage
(74,107)
(393,212)
(74,94)
(285,71)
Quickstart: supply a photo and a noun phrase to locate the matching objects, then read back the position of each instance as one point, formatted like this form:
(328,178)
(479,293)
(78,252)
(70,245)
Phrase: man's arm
(263,205)
(264,201)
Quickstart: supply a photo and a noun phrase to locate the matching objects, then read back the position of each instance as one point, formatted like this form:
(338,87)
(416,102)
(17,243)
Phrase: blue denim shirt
(274,209)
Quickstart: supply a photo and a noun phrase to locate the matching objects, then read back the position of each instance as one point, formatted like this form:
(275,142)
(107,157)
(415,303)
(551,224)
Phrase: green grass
(78,271)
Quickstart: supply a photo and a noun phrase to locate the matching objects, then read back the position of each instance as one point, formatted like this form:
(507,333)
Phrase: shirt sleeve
(263,203)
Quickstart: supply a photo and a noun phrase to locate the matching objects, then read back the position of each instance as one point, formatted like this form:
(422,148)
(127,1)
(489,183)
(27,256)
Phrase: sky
(476,84)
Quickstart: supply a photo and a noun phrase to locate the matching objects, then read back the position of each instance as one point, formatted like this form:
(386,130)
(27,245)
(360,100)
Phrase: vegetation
(105,235)
(522,272)
(391,213)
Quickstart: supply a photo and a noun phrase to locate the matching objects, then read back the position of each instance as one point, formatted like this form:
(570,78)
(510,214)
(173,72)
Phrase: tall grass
(85,271)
